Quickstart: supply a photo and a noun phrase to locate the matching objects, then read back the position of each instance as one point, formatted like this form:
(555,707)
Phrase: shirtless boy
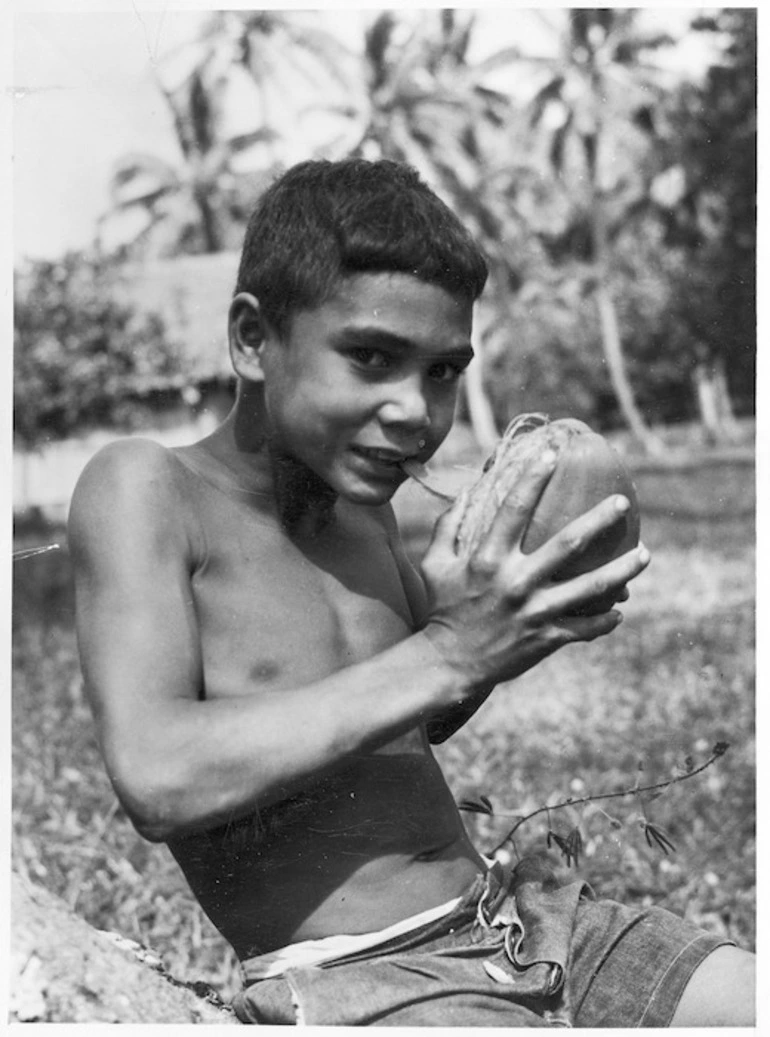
(267,671)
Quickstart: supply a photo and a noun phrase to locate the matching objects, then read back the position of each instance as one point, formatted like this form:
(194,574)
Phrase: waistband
(330,949)
(491,903)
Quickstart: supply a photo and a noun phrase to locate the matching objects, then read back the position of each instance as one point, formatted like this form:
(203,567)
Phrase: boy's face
(366,380)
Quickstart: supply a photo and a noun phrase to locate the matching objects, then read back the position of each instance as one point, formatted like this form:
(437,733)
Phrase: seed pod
(587,470)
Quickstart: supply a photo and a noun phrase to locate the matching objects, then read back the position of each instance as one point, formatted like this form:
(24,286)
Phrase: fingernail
(618,617)
(622,503)
(549,458)
(644,554)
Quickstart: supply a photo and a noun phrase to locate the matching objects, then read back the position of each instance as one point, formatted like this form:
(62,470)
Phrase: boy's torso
(379,839)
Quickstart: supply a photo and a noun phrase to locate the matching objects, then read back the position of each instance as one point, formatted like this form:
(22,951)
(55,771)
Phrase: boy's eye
(445,372)
(374,359)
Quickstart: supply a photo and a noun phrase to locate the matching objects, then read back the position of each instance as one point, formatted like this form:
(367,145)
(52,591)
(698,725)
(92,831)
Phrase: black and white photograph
(382,515)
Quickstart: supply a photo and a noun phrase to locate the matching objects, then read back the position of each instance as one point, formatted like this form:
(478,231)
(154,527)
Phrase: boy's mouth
(384,456)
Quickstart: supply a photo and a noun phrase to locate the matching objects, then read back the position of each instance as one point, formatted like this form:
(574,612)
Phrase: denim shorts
(519,950)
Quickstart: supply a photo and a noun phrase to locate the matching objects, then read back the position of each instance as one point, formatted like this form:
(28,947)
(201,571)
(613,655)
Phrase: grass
(642,705)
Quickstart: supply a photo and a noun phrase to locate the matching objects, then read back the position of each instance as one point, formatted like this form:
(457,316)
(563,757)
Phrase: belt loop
(497,905)
(484,913)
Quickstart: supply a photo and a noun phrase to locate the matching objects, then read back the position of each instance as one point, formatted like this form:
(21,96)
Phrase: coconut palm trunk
(612,344)
(714,404)
(480,410)
(616,367)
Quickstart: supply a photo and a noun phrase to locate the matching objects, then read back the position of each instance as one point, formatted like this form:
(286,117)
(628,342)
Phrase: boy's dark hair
(324,220)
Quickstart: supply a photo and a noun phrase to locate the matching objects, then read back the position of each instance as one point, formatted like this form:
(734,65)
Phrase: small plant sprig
(571,846)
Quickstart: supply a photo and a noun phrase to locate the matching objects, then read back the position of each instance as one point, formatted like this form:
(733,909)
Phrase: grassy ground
(642,706)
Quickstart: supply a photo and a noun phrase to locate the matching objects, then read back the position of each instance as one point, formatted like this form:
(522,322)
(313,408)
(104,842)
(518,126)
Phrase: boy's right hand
(496,613)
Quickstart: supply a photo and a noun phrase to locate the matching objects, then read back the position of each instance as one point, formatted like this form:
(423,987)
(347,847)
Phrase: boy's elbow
(161,797)
(150,812)
(153,832)
(151,802)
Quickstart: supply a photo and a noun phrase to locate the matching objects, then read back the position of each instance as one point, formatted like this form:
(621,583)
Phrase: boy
(267,670)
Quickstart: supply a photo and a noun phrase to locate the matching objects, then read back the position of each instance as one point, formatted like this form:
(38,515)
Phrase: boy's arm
(181,762)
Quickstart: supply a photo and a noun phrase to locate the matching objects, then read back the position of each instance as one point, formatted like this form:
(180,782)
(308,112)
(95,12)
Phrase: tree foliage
(658,174)
(710,227)
(226,92)
(589,124)
(80,355)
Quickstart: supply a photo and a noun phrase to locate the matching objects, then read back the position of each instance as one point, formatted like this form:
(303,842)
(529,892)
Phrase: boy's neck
(304,502)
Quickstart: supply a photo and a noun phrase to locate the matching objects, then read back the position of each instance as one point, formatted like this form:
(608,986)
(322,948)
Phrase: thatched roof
(191,294)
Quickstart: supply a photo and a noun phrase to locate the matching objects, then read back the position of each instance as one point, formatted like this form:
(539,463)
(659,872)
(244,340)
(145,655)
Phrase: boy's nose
(406,405)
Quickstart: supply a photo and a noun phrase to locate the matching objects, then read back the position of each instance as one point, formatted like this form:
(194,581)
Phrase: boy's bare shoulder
(134,463)
(128,488)
(384,519)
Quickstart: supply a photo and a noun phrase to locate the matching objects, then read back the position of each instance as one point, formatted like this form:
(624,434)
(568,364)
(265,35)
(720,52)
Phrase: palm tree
(590,119)
(709,212)
(233,93)
(427,105)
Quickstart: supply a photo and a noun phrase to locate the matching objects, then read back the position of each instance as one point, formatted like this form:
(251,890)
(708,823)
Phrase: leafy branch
(572,845)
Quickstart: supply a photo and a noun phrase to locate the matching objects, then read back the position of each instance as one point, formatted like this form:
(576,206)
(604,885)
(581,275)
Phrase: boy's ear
(247,333)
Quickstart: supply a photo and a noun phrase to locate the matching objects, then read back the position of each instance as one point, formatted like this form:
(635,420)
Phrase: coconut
(587,470)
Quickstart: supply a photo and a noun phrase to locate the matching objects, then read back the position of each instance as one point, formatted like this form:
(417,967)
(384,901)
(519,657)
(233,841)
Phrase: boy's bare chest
(275,612)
